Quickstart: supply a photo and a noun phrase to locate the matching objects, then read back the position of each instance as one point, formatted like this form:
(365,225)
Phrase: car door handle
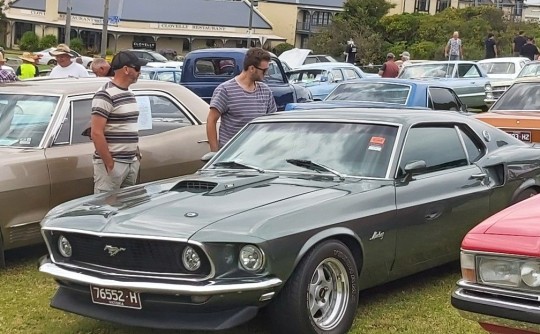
(202,141)
(479,176)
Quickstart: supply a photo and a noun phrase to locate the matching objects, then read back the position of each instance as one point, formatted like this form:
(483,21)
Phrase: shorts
(123,174)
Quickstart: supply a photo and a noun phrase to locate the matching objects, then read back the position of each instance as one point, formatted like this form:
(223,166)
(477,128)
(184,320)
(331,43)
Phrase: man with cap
(405,58)
(28,68)
(114,127)
(65,66)
(389,69)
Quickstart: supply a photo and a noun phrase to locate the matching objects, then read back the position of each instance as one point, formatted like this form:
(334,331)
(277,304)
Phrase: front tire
(321,296)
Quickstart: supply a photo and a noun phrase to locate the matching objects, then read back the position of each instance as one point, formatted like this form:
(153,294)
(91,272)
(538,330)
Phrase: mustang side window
(439,146)
(475,149)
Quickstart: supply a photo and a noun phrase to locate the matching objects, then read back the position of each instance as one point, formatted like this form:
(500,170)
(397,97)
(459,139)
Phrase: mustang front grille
(128,254)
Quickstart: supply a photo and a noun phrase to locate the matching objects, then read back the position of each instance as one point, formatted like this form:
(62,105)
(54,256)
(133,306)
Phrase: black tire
(316,299)
(529,192)
(89,65)
(2,257)
(52,62)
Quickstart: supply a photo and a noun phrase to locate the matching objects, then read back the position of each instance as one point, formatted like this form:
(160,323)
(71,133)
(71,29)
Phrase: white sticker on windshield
(25,141)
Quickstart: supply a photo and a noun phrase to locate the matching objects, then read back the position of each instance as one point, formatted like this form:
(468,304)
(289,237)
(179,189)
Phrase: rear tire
(2,257)
(321,296)
(529,192)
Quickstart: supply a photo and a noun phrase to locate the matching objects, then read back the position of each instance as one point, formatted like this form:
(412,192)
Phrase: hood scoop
(229,184)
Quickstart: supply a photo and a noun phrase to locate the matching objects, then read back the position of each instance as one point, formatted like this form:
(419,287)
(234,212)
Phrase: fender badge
(191,214)
(377,235)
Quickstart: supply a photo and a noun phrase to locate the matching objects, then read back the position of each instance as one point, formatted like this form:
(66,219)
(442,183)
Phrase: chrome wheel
(328,294)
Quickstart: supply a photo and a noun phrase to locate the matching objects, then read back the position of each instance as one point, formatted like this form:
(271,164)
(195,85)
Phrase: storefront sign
(196,27)
(144,45)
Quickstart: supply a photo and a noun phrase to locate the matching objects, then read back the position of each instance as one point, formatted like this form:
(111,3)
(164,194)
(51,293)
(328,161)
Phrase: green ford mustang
(298,212)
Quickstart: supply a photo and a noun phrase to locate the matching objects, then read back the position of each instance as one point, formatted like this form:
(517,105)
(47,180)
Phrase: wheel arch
(528,184)
(345,235)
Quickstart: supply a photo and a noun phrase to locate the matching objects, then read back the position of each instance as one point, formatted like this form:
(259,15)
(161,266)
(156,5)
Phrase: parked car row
(297,213)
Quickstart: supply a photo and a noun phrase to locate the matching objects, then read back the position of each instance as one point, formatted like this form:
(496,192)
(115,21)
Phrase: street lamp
(67,33)
(250,26)
(104,32)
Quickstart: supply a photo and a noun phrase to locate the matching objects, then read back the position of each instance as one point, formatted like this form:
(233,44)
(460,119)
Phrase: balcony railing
(310,27)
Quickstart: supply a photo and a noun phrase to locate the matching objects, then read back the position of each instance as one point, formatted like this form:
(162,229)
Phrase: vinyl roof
(202,12)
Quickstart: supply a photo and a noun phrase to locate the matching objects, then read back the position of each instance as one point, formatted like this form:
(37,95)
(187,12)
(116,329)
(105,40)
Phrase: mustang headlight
(530,274)
(251,258)
(64,247)
(499,271)
(190,259)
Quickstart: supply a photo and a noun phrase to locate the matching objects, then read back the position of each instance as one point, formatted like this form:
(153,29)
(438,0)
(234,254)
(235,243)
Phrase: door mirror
(412,168)
(208,156)
(464,108)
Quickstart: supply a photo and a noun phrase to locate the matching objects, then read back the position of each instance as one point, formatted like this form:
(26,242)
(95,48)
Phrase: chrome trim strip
(465,285)
(211,274)
(493,301)
(23,224)
(212,288)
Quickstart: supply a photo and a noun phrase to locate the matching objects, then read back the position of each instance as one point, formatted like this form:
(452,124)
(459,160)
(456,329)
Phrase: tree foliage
(29,41)
(282,47)
(423,35)
(47,41)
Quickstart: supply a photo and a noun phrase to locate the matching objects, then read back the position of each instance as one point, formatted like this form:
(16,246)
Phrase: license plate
(521,135)
(115,297)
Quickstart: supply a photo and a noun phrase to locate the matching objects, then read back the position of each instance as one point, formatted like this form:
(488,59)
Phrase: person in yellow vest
(28,68)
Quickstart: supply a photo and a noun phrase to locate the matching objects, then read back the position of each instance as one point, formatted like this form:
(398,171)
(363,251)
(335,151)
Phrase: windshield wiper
(236,165)
(308,164)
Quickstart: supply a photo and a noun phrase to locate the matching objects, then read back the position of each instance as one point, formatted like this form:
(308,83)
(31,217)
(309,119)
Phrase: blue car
(391,93)
(322,78)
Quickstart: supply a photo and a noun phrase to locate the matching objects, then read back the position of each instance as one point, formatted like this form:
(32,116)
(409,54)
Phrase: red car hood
(515,230)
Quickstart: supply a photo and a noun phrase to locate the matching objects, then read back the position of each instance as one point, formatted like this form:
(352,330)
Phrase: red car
(500,267)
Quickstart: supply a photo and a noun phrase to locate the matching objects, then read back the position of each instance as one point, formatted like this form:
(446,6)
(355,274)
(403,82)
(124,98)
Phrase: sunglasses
(264,70)
(137,68)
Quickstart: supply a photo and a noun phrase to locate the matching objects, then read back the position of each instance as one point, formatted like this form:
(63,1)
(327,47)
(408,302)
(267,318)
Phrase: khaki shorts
(122,175)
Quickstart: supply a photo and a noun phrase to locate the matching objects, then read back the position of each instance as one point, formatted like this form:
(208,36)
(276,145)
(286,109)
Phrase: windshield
(442,70)
(520,97)
(146,74)
(498,68)
(24,119)
(371,92)
(347,148)
(530,70)
(307,76)
(158,57)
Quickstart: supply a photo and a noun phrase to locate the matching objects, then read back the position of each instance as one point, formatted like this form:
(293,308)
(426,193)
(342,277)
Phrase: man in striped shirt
(114,127)
(240,99)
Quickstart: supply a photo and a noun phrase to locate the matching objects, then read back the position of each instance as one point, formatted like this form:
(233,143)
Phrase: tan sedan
(46,160)
(517,111)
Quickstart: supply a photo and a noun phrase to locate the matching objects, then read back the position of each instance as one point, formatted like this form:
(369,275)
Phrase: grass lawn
(415,305)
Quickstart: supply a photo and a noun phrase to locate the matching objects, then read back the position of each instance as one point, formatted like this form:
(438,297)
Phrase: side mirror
(412,168)
(464,108)
(208,156)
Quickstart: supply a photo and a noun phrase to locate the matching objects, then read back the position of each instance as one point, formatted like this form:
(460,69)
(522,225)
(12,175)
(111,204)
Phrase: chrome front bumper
(206,289)
(500,307)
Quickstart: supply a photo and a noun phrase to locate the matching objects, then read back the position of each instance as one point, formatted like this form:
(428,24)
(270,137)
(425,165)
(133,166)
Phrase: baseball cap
(405,53)
(390,55)
(126,58)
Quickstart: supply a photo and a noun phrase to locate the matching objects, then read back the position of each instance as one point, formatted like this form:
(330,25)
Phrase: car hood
(182,207)
(294,57)
(514,230)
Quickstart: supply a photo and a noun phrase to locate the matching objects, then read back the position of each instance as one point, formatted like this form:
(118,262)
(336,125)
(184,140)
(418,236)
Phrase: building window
(186,45)
(321,19)
(442,5)
(421,6)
